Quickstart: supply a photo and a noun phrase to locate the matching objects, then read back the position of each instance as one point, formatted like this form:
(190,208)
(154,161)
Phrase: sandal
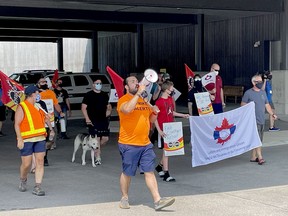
(32,171)
(256,160)
(261,161)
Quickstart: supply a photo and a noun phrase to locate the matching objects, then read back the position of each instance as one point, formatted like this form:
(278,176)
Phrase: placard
(113,97)
(50,108)
(203,103)
(177,94)
(173,141)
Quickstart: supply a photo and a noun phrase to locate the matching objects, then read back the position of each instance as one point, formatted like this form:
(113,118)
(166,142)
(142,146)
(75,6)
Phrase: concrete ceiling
(78,18)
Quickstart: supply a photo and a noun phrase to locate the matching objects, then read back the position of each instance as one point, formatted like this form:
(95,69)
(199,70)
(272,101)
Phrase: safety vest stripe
(42,130)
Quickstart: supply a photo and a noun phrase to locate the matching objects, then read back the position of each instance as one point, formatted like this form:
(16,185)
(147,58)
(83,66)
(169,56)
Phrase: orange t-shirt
(134,126)
(49,94)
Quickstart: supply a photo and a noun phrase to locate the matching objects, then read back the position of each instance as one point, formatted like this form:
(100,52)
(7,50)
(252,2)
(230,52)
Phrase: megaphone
(150,76)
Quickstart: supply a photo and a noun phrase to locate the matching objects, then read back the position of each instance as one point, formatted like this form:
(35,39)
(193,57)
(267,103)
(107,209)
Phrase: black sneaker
(46,162)
(159,170)
(168,178)
(1,134)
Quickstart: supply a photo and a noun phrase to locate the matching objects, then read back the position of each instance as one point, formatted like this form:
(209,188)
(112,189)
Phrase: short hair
(95,79)
(254,77)
(166,85)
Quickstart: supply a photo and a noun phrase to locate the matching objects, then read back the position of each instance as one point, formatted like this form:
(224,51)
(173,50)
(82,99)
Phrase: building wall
(231,44)
(227,42)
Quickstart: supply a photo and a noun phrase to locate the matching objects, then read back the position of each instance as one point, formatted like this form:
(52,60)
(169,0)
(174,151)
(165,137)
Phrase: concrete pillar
(60,54)
(280,91)
(199,42)
(284,36)
(140,49)
(94,47)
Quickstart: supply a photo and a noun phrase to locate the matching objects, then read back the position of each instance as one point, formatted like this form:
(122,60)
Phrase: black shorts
(99,128)
(2,113)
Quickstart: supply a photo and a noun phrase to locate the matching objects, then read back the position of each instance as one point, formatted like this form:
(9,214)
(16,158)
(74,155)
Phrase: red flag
(189,76)
(12,92)
(55,78)
(117,81)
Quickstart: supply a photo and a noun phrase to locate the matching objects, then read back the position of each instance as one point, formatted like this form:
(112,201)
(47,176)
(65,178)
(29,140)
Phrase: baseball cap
(30,89)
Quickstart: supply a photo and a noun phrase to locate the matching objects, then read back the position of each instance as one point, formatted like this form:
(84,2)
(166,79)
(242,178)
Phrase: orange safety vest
(33,122)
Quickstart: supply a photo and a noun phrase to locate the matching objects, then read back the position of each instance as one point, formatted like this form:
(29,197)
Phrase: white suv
(78,84)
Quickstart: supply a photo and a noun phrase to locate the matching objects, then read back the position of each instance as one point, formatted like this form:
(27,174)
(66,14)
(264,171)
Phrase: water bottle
(62,124)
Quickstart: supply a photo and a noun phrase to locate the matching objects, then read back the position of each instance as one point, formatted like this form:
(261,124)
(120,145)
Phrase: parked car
(29,77)
(76,84)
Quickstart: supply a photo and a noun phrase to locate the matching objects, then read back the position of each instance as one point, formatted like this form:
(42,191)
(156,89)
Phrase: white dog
(87,142)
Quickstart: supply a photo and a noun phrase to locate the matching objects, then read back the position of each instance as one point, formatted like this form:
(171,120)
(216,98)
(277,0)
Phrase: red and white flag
(117,81)
(12,92)
(189,75)
(55,78)
(208,81)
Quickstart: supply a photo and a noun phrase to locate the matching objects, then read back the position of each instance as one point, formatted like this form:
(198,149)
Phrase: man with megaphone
(136,150)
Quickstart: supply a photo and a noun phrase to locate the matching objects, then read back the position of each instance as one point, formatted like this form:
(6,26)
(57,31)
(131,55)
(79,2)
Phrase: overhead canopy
(48,20)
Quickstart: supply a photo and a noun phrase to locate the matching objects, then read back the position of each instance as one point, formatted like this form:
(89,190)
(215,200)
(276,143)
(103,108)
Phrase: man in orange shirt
(46,93)
(134,145)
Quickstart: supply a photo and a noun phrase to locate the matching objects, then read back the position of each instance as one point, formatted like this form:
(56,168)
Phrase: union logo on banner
(224,132)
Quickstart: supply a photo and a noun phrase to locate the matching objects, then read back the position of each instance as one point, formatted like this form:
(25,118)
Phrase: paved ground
(231,187)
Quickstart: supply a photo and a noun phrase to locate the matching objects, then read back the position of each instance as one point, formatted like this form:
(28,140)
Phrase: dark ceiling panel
(116,5)
(28,39)
(66,25)
(242,5)
(41,33)
(95,16)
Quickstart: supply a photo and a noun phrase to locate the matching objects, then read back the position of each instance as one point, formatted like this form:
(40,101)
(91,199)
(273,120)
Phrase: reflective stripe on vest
(31,124)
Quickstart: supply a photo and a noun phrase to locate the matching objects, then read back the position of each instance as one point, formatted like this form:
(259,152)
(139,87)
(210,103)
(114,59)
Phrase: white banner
(225,135)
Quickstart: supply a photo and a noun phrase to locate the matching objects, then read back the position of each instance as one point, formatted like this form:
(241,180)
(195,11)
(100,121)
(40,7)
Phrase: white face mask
(98,86)
(216,72)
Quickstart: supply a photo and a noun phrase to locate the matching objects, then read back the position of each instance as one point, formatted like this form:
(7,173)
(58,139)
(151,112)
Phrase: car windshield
(26,79)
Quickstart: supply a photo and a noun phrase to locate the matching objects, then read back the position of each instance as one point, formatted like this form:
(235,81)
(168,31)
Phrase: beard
(133,91)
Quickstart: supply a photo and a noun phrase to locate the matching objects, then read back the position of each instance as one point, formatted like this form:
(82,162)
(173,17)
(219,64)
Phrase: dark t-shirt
(61,95)
(96,105)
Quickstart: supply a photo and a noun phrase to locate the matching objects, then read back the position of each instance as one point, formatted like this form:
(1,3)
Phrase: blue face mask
(38,97)
(98,86)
